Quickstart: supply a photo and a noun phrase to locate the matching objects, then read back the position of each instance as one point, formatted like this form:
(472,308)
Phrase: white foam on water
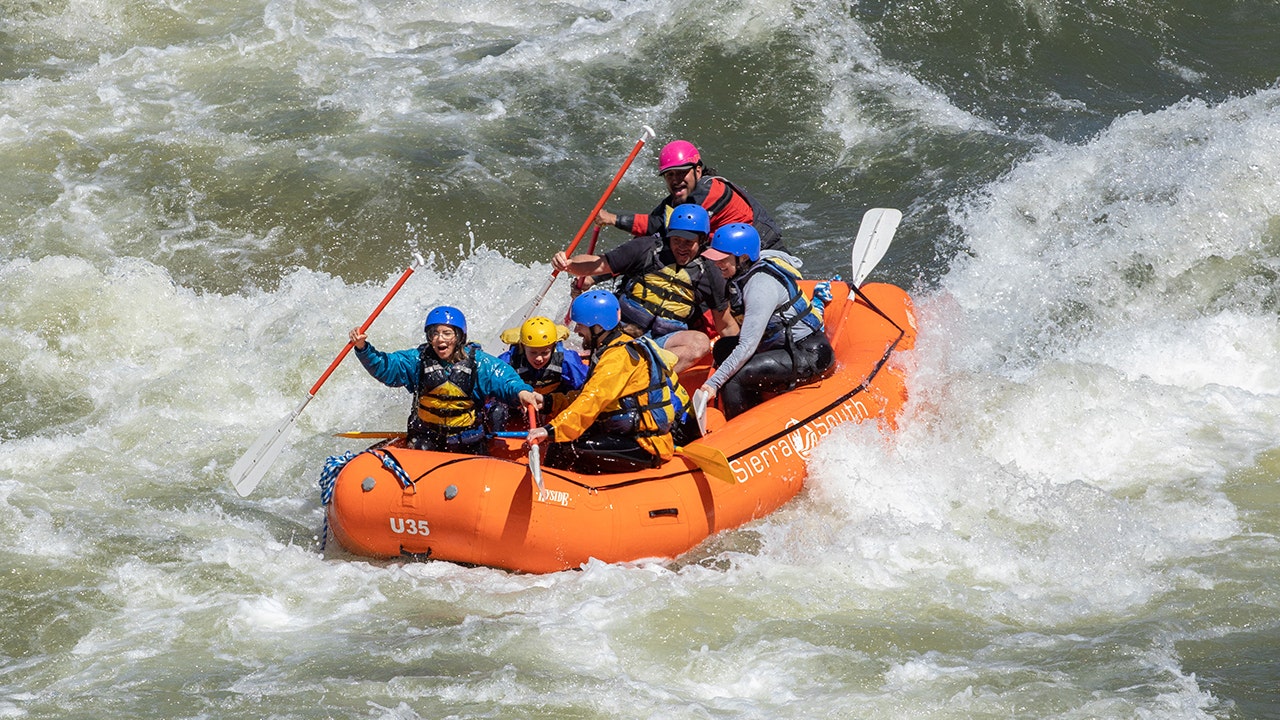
(1051,515)
(1084,387)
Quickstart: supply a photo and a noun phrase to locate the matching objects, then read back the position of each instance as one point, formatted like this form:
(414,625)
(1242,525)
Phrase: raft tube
(391,502)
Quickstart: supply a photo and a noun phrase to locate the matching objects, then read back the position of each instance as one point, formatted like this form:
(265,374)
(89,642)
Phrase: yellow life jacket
(444,401)
(663,299)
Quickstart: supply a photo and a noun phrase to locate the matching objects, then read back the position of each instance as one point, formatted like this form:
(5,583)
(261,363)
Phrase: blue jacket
(573,370)
(494,378)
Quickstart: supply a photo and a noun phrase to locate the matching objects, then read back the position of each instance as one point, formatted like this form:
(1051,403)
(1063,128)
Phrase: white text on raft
(800,443)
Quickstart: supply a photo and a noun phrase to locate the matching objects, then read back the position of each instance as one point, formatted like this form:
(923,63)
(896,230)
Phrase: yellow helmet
(538,332)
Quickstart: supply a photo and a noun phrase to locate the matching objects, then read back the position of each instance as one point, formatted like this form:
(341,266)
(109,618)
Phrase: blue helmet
(596,307)
(690,219)
(734,239)
(445,315)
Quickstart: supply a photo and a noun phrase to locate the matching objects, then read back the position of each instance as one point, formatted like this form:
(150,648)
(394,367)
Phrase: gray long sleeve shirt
(761,296)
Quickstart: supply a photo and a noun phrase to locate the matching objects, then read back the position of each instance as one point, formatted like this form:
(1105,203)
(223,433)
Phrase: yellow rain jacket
(621,373)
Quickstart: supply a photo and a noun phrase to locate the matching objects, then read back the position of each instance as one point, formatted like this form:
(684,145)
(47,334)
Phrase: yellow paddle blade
(381,434)
(709,460)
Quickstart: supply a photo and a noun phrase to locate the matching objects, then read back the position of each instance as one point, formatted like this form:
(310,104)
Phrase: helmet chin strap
(597,336)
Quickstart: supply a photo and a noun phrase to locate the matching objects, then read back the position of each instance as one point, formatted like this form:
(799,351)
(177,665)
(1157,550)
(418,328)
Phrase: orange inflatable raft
(390,501)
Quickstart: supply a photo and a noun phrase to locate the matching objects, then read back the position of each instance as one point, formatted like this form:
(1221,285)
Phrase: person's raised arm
(581,265)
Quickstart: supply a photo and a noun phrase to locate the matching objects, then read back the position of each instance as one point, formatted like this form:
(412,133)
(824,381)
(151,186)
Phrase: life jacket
(795,309)
(444,402)
(770,233)
(649,412)
(544,381)
(663,299)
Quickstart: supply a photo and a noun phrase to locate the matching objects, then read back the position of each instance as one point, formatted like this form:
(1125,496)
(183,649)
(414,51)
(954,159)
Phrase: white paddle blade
(874,236)
(526,311)
(253,465)
(700,400)
(535,466)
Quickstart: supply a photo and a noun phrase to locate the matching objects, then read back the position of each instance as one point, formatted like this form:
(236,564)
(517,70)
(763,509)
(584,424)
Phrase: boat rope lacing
(328,476)
(389,462)
(333,466)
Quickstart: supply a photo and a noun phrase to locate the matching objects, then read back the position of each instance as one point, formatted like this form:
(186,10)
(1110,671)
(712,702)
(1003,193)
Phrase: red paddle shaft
(369,321)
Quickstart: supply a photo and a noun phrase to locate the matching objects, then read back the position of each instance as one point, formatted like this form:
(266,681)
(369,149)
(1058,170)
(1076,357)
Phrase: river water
(1077,518)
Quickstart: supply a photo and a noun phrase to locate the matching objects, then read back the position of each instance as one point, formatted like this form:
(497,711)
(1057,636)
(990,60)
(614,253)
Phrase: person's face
(680,182)
(444,340)
(684,249)
(539,357)
(728,266)
(584,332)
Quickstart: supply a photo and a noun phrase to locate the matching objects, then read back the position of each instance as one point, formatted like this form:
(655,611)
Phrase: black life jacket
(544,381)
(444,402)
(795,309)
(761,220)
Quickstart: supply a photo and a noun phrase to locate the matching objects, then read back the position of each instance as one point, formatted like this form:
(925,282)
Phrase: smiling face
(444,340)
(680,182)
(588,336)
(728,266)
(684,249)
(539,357)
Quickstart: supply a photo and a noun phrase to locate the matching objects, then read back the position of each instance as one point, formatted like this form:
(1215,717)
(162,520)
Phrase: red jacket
(724,202)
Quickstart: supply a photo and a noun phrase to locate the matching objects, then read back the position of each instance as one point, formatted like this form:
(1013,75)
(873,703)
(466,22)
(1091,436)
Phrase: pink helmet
(678,153)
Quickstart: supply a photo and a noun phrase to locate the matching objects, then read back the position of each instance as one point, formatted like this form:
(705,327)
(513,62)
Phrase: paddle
(701,398)
(591,250)
(709,460)
(535,453)
(526,312)
(252,466)
(367,435)
(874,235)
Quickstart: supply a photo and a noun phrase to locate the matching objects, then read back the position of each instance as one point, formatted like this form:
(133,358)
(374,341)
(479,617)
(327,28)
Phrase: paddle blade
(535,452)
(253,465)
(526,311)
(700,399)
(874,236)
(370,434)
(709,460)
(535,466)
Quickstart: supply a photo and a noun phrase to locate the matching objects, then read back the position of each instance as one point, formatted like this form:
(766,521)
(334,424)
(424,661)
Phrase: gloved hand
(822,291)
(822,295)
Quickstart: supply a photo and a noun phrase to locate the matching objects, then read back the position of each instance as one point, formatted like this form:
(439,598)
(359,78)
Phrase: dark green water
(1076,519)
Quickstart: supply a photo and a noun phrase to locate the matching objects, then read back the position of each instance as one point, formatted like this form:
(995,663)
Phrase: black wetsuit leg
(596,454)
(440,442)
(776,370)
